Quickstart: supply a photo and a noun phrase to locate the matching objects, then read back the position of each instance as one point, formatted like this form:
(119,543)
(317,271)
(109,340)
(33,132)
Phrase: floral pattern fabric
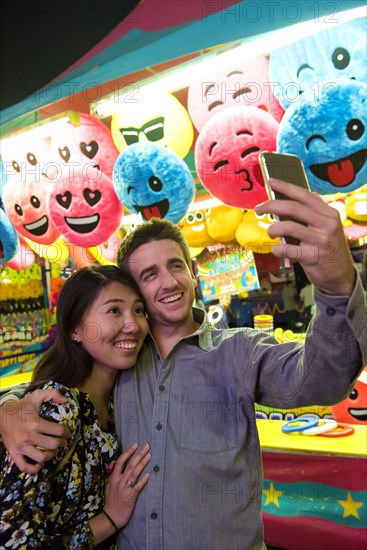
(51,509)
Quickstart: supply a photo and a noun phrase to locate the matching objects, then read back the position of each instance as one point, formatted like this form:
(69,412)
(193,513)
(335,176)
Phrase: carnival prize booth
(167,118)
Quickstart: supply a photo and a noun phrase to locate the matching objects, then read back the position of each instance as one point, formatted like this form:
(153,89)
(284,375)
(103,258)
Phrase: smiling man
(193,390)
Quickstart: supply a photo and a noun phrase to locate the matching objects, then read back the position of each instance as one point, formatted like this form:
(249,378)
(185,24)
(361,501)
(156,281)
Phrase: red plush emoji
(85,207)
(227,152)
(353,410)
(236,83)
(85,139)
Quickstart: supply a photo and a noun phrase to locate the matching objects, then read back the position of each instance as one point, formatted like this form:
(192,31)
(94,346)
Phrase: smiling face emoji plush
(252,233)
(328,132)
(25,193)
(85,207)
(227,155)
(353,410)
(153,181)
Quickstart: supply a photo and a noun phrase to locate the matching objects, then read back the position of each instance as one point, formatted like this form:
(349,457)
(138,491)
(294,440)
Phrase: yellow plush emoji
(222,222)
(252,233)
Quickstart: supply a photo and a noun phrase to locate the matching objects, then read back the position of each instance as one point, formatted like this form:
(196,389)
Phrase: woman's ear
(75,337)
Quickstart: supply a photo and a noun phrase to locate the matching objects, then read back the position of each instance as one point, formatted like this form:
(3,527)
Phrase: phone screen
(288,168)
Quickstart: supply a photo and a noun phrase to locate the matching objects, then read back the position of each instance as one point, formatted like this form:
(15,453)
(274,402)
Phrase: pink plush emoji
(227,151)
(85,139)
(24,194)
(84,206)
(236,83)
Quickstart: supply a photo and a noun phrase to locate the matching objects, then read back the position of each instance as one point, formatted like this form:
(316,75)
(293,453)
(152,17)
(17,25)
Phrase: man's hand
(323,250)
(26,434)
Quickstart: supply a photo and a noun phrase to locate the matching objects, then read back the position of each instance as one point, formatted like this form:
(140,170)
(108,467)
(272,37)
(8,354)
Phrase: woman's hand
(124,484)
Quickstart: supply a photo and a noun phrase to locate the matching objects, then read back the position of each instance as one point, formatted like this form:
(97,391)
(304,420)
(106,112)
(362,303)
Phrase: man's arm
(323,250)
(26,434)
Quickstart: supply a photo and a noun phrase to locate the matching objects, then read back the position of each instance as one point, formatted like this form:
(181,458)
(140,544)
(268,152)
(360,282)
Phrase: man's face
(166,282)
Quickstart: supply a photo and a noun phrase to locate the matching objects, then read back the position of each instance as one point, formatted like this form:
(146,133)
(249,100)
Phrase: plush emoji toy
(356,206)
(252,233)
(85,207)
(235,83)
(152,118)
(153,181)
(84,139)
(339,52)
(9,242)
(227,152)
(106,253)
(353,410)
(194,229)
(23,258)
(222,222)
(25,193)
(328,132)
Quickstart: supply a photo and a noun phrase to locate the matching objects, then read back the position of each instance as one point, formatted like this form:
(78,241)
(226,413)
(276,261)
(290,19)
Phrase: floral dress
(51,509)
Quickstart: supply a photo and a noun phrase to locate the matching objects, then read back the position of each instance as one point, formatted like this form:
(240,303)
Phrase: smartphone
(288,168)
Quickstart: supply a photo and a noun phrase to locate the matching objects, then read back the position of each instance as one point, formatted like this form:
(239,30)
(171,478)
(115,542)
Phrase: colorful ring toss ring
(345,429)
(325,425)
(294,425)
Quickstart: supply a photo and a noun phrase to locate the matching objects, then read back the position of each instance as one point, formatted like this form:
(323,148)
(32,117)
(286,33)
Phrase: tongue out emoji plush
(327,130)
(153,181)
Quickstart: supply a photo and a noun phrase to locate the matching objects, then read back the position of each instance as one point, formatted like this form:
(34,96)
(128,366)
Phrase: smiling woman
(71,502)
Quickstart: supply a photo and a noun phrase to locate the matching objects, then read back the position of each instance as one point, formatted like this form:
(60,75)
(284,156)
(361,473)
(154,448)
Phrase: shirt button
(156,469)
(330,311)
(159,426)
(351,314)
(153,515)
(162,387)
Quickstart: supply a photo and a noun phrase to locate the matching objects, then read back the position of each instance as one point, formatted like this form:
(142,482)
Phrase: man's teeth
(171,298)
(126,345)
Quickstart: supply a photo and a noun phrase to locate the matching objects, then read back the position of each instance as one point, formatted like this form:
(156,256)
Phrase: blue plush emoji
(328,132)
(339,52)
(9,242)
(153,181)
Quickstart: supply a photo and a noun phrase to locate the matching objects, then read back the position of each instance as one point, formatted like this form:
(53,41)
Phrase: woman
(70,503)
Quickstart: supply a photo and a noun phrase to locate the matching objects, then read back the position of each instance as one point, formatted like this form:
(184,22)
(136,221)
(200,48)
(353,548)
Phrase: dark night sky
(39,39)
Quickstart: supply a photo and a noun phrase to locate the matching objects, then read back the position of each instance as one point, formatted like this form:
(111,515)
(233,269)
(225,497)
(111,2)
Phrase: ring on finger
(129,484)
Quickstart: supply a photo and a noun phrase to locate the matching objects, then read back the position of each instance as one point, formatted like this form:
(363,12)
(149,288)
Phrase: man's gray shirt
(196,409)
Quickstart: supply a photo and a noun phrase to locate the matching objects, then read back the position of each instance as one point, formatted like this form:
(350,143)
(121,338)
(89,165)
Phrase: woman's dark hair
(156,229)
(66,361)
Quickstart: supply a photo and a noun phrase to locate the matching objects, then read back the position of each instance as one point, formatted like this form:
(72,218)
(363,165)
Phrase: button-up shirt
(196,409)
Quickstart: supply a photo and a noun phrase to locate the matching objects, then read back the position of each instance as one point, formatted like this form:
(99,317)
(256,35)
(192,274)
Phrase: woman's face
(114,328)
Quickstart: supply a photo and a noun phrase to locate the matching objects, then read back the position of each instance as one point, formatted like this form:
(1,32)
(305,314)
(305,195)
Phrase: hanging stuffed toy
(152,118)
(153,181)
(25,192)
(194,228)
(353,410)
(84,139)
(328,132)
(227,152)
(222,222)
(338,52)
(235,83)
(9,242)
(252,233)
(85,207)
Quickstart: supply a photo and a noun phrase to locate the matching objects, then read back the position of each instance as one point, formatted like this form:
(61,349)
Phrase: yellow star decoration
(272,495)
(350,507)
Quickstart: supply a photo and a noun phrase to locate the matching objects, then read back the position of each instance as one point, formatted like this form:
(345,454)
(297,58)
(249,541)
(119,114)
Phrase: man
(192,392)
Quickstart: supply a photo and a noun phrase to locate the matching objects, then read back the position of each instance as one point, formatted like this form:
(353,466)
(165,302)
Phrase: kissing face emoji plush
(227,152)
(85,207)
